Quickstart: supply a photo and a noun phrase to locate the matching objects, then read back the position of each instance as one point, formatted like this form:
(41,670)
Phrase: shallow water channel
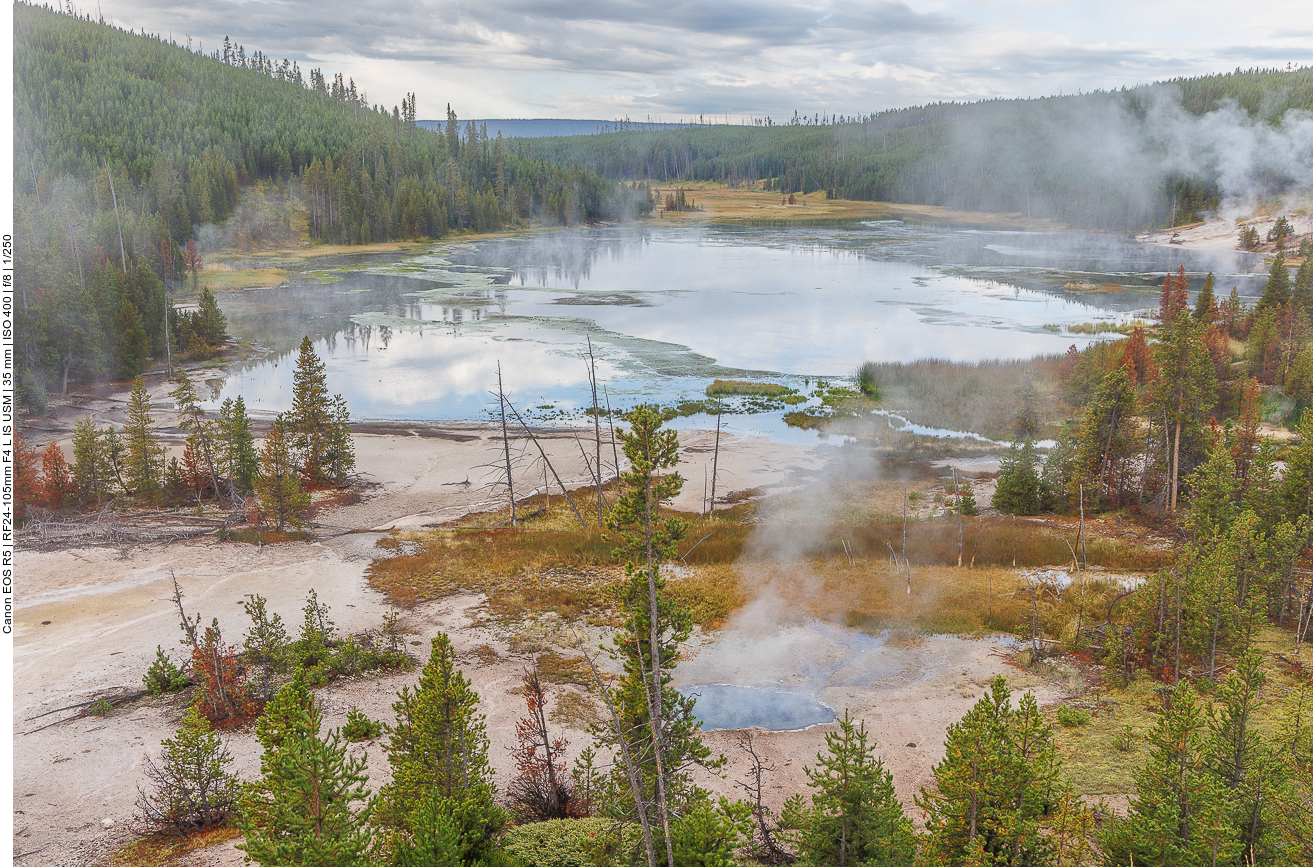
(669,310)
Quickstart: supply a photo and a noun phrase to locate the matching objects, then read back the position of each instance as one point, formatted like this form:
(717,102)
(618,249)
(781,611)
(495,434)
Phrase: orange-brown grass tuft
(546,563)
(159,850)
(554,668)
(710,593)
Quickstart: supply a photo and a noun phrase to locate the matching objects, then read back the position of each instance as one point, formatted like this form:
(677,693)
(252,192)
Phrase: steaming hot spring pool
(722,706)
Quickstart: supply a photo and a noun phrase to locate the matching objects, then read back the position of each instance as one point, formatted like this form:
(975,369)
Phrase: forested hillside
(126,144)
(1130,158)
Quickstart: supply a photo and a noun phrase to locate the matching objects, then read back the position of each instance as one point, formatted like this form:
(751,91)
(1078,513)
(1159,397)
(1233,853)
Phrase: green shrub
(1072,717)
(100,708)
(163,676)
(360,727)
(569,842)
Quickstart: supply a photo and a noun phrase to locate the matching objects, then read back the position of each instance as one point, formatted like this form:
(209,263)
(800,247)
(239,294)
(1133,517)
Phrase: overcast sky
(745,58)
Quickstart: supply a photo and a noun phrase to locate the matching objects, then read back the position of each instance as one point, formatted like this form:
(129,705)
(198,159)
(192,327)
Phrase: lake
(668,310)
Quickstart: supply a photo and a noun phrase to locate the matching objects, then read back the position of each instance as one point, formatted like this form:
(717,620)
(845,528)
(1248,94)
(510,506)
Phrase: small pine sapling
(360,727)
(163,676)
(192,787)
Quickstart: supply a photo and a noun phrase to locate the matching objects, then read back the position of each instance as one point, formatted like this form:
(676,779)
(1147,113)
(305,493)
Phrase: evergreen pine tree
(1018,489)
(238,456)
(1297,480)
(191,418)
(1179,814)
(311,418)
(1249,771)
(279,484)
(1205,306)
(133,349)
(1101,442)
(210,322)
(339,458)
(439,743)
(854,817)
(143,464)
(998,779)
(1301,294)
(1276,291)
(93,476)
(1184,394)
(301,811)
(658,721)
(193,789)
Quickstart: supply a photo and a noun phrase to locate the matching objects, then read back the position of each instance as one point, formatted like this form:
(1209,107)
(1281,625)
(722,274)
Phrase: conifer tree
(1185,391)
(998,779)
(1137,359)
(193,789)
(1301,294)
(854,817)
(439,743)
(1018,489)
(57,486)
(339,458)
(1101,440)
(302,810)
(191,418)
(1276,291)
(1250,773)
(143,464)
(27,482)
(657,720)
(1205,307)
(310,420)
(93,476)
(1179,814)
(210,321)
(238,456)
(1297,481)
(279,484)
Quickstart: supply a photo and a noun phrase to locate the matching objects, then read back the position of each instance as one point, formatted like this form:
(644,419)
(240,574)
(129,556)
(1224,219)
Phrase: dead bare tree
(597,426)
(769,850)
(715,459)
(546,461)
(506,443)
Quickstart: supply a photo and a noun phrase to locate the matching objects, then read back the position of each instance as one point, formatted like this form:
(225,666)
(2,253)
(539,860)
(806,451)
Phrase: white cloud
(604,58)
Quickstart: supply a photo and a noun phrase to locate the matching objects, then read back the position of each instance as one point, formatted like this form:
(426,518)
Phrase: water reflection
(668,310)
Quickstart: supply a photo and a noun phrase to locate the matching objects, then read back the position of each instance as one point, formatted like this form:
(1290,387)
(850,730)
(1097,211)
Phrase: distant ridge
(542,127)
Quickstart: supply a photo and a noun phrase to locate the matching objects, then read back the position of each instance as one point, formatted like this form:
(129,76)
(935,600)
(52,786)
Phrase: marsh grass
(736,386)
(224,278)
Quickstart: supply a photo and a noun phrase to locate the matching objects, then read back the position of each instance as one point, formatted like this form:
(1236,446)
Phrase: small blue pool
(721,706)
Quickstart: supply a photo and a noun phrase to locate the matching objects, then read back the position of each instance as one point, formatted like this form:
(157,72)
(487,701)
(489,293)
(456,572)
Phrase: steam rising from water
(1122,148)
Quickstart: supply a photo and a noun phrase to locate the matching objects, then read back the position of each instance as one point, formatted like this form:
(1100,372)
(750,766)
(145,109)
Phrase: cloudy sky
(742,58)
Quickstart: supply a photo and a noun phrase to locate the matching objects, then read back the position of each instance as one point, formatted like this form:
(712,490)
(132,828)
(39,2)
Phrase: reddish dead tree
(222,691)
(1137,358)
(1174,299)
(56,480)
(27,484)
(542,790)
